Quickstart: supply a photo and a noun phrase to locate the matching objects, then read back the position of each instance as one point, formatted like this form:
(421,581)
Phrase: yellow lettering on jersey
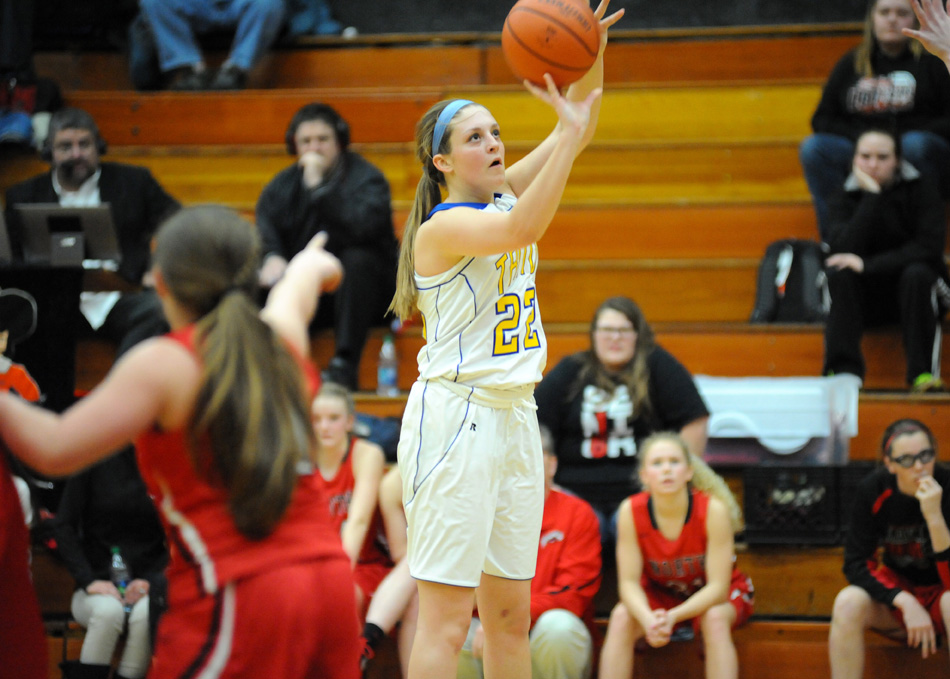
(513,263)
(500,266)
(516,255)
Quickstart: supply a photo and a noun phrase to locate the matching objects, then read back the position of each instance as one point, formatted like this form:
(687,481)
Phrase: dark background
(101,23)
(424,16)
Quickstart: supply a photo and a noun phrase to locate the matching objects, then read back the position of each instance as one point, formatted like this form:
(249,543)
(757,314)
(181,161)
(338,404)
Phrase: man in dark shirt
(901,509)
(334,190)
(138,204)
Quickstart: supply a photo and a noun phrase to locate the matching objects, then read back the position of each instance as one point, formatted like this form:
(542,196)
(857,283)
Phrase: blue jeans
(827,159)
(175,23)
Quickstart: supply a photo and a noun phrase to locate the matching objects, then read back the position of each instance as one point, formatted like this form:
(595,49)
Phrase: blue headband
(445,116)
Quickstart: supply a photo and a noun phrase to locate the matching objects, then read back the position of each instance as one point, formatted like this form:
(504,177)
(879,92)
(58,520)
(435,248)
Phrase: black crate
(791,505)
(848,480)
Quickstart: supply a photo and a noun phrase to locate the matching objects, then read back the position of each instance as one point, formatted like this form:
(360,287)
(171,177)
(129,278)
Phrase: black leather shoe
(229,78)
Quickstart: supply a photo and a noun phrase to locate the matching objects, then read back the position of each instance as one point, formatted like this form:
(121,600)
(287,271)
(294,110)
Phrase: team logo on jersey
(340,503)
(606,419)
(551,536)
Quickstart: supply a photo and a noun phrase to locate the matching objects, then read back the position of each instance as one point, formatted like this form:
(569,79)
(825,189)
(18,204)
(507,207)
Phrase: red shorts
(741,596)
(927,595)
(296,622)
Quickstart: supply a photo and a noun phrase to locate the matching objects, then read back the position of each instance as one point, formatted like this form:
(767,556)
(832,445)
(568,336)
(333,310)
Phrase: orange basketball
(559,37)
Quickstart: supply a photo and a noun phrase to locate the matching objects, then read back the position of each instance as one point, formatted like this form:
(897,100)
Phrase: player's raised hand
(934,31)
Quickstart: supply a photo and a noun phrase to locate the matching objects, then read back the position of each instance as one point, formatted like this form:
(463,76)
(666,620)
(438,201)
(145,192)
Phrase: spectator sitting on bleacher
(137,202)
(562,590)
(176,23)
(901,509)
(335,190)
(601,403)
(886,80)
(675,562)
(934,29)
(103,508)
(886,234)
(348,471)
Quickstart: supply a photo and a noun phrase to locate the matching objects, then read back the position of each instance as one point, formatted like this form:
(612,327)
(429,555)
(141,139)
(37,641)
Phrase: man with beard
(138,204)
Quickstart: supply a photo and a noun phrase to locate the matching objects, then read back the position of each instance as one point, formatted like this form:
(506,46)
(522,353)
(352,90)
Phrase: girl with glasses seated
(901,510)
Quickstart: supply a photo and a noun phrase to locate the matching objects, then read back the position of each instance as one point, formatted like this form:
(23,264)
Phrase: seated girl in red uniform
(675,562)
(218,410)
(350,469)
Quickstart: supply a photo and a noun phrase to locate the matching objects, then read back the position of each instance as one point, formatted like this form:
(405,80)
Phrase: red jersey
(22,638)
(568,570)
(207,550)
(676,565)
(339,493)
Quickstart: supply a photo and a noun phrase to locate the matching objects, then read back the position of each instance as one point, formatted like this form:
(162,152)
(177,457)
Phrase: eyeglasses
(613,332)
(908,461)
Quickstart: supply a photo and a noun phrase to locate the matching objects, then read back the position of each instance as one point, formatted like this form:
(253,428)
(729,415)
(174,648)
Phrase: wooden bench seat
(646,56)
(656,115)
(767,649)
(742,174)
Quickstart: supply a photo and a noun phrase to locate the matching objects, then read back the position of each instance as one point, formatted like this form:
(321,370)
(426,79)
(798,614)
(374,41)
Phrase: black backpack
(792,286)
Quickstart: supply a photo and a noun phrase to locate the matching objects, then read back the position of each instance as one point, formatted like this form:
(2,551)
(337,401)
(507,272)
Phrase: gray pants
(561,648)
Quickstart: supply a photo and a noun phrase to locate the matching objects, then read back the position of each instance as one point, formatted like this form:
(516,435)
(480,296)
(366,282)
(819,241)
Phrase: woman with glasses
(900,508)
(602,402)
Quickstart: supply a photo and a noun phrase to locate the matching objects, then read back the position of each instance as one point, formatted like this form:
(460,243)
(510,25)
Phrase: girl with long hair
(218,411)
(469,451)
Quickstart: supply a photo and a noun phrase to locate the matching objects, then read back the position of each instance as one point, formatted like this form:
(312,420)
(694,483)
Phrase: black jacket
(352,205)
(904,223)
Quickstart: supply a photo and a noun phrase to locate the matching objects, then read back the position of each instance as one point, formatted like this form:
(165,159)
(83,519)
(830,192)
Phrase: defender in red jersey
(258,583)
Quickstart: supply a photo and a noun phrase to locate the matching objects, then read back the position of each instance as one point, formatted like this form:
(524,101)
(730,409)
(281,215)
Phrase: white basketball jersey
(481,319)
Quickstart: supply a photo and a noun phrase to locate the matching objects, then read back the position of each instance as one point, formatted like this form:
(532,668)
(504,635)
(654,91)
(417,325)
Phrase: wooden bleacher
(693,172)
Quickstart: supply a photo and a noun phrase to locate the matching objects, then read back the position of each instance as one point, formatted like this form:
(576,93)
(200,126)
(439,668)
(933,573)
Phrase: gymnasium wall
(440,16)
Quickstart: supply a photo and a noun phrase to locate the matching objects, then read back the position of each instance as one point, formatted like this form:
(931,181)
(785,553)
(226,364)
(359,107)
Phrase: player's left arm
(523,172)
(720,554)
(368,463)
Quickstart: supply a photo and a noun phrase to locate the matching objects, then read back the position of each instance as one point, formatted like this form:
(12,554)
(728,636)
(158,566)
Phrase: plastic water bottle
(119,573)
(387,369)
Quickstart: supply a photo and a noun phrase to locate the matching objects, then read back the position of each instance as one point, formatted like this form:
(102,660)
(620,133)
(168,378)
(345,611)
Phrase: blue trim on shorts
(416,483)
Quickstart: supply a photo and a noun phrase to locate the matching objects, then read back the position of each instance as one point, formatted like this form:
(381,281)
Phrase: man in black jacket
(138,204)
(334,190)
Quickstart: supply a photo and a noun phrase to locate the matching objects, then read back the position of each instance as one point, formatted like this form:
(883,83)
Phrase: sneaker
(341,372)
(366,655)
(189,79)
(926,383)
(229,77)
